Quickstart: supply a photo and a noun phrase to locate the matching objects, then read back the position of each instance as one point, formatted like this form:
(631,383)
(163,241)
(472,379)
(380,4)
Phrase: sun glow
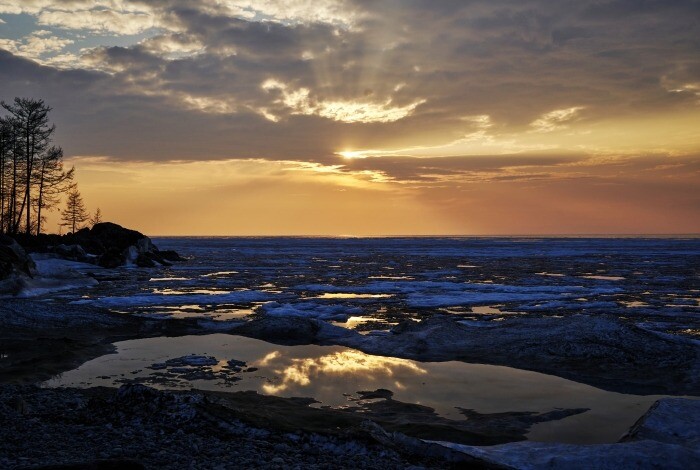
(350,154)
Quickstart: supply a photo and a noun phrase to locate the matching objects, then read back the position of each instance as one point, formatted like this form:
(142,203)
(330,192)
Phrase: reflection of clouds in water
(265,361)
(303,371)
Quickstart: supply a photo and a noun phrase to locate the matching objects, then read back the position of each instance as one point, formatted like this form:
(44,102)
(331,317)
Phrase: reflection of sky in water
(326,373)
(344,295)
(295,373)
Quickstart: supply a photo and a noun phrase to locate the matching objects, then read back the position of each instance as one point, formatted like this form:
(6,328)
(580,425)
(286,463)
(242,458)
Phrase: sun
(350,154)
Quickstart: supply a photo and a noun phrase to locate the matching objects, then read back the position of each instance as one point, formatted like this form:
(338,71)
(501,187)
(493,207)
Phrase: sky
(368,118)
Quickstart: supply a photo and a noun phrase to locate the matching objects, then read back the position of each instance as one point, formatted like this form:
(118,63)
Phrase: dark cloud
(513,61)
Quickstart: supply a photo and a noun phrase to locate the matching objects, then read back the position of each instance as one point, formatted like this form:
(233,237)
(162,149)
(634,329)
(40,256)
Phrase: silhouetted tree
(11,171)
(31,138)
(96,218)
(51,180)
(75,214)
(5,152)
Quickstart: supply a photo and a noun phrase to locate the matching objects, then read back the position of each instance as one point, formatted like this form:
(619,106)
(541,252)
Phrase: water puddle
(220,274)
(190,291)
(333,374)
(634,303)
(603,278)
(346,295)
(392,278)
(490,310)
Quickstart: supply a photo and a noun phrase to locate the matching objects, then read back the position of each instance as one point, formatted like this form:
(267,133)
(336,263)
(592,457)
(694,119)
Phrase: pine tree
(75,214)
(32,139)
(96,218)
(51,181)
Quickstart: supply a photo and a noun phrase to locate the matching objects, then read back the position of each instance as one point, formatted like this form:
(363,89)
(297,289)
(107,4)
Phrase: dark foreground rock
(144,428)
(155,429)
(15,265)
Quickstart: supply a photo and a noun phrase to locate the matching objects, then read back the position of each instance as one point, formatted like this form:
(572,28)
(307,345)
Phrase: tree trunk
(28,189)
(2,188)
(40,200)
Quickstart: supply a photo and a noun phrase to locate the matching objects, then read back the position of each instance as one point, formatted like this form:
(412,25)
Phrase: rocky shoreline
(105,245)
(139,427)
(143,428)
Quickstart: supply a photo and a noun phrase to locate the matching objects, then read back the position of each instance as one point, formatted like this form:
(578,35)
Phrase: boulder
(283,330)
(144,261)
(71,252)
(170,255)
(15,265)
(13,259)
(112,259)
(111,235)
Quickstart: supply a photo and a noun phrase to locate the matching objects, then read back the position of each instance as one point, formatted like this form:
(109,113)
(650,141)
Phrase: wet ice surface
(373,285)
(391,279)
(333,375)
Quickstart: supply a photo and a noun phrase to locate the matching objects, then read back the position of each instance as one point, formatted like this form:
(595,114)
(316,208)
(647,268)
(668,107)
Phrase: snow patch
(310,310)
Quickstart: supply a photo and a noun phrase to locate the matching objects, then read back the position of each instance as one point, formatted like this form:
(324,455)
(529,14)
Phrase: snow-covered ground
(389,280)
(54,275)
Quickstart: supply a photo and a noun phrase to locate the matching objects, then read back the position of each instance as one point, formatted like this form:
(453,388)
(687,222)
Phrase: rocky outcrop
(15,265)
(116,246)
(106,244)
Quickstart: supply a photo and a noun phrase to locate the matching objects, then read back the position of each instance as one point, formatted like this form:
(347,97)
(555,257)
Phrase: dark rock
(378,393)
(107,244)
(150,259)
(8,261)
(112,258)
(71,252)
(170,255)
(113,236)
(15,265)
(145,261)
(11,252)
(284,330)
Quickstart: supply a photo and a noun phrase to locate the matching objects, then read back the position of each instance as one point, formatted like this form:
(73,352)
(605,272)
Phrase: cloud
(556,119)
(427,79)
(36,45)
(300,102)
(102,16)
(343,13)
(99,21)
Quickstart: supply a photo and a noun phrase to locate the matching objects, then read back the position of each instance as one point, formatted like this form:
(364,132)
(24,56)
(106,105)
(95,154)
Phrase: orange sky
(343,117)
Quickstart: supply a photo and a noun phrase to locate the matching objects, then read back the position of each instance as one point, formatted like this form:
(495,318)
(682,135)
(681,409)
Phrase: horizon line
(497,235)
